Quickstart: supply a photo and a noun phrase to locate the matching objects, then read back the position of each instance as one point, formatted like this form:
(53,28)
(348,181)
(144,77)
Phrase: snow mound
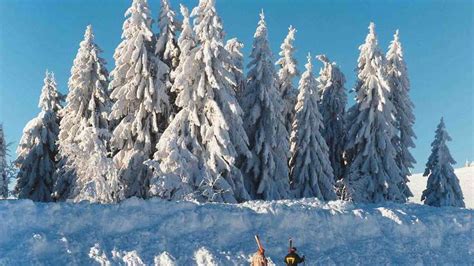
(466,179)
(156,232)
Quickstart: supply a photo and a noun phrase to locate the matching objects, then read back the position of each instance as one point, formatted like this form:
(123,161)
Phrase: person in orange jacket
(259,258)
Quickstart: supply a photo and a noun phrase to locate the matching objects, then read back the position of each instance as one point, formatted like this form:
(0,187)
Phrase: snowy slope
(154,231)
(466,179)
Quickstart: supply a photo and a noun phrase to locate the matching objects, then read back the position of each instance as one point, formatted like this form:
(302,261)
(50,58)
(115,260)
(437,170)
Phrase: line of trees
(177,118)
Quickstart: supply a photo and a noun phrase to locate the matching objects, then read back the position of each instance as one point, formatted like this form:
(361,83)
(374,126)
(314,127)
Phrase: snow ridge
(335,232)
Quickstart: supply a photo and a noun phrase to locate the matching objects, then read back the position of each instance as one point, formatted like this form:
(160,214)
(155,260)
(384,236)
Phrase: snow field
(159,232)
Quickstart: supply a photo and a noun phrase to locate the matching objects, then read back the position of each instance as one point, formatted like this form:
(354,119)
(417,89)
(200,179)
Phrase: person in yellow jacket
(292,259)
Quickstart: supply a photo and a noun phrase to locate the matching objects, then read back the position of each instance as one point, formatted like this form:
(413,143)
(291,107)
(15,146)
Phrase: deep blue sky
(437,37)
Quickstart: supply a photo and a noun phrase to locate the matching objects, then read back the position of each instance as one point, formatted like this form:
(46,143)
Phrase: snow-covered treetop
(88,96)
(166,46)
(287,62)
(186,40)
(329,74)
(207,24)
(261,53)
(234,47)
(371,74)
(396,63)
(395,47)
(139,22)
(50,98)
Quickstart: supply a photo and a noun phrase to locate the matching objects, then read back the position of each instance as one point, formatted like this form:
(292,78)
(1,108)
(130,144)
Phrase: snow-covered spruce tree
(3,165)
(443,187)
(166,48)
(186,43)
(236,66)
(332,103)
(286,74)
(141,109)
(267,171)
(400,86)
(84,135)
(166,45)
(373,175)
(37,150)
(311,174)
(198,151)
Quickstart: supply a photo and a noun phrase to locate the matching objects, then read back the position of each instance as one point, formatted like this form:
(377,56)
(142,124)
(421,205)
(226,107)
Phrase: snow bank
(466,179)
(138,232)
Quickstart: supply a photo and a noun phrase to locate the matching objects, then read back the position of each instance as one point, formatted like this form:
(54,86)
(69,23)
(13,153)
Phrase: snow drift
(185,233)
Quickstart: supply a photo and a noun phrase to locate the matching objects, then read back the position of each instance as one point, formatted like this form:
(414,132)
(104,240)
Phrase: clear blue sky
(437,37)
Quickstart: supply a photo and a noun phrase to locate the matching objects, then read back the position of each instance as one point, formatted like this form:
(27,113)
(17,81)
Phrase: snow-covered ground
(160,232)
(466,179)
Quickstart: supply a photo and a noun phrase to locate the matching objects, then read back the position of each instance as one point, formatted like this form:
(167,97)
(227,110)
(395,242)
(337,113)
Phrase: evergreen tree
(286,74)
(332,103)
(3,165)
(400,86)
(236,66)
(267,171)
(166,45)
(141,108)
(443,187)
(84,134)
(186,43)
(37,150)
(196,156)
(373,174)
(311,172)
(166,48)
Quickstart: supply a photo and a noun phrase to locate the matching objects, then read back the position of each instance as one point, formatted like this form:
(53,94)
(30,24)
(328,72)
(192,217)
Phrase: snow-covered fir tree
(373,174)
(84,134)
(310,168)
(186,42)
(141,109)
(332,103)
(267,171)
(37,150)
(443,187)
(397,77)
(236,66)
(166,48)
(197,155)
(288,71)
(3,165)
(166,45)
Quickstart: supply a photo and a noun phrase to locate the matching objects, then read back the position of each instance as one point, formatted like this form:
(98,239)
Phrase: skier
(292,259)
(259,259)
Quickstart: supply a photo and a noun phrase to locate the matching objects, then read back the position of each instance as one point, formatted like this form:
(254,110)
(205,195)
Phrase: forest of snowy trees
(180,117)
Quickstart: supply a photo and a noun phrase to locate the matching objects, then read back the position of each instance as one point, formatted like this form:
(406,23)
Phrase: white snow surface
(466,179)
(158,232)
